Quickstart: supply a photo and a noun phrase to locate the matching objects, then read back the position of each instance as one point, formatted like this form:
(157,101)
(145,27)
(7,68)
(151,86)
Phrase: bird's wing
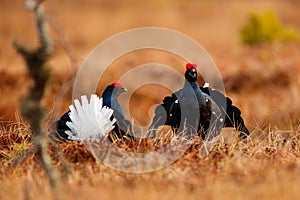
(163,114)
(231,113)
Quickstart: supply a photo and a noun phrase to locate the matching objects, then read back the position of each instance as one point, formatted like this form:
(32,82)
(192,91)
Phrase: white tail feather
(89,121)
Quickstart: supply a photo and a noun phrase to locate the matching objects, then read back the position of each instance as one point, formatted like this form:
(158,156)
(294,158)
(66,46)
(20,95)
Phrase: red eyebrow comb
(116,84)
(190,65)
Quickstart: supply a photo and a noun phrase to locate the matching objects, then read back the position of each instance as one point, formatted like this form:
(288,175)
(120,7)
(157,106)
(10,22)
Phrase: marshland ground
(262,80)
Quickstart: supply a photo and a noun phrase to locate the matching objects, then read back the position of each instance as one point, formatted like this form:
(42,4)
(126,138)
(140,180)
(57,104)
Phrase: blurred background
(255,45)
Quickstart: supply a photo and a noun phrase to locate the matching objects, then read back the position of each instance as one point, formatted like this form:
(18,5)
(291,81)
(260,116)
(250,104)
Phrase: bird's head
(191,72)
(114,89)
(118,88)
(111,93)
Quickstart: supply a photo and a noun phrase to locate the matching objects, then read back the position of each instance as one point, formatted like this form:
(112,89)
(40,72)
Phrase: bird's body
(110,99)
(213,107)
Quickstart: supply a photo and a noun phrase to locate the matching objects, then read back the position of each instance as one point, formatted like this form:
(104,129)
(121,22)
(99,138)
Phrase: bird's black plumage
(213,107)
(231,113)
(110,99)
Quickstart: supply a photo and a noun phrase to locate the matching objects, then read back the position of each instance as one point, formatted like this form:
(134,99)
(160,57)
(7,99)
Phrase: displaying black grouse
(213,107)
(110,99)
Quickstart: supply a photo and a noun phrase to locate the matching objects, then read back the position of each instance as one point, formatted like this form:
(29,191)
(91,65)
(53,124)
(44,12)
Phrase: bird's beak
(193,73)
(123,90)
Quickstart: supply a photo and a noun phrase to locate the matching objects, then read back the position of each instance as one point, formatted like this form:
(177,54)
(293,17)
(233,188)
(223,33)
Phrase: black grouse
(110,96)
(213,107)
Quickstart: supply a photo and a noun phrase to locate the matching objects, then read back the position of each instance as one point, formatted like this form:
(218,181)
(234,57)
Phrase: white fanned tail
(90,121)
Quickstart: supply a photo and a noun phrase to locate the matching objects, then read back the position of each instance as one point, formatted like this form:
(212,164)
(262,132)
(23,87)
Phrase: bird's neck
(116,106)
(111,100)
(191,84)
(107,97)
(194,86)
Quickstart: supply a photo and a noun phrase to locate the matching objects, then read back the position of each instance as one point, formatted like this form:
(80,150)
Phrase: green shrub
(266,28)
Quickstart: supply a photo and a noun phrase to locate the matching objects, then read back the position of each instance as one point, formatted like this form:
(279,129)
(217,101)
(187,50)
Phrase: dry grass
(264,166)
(263,81)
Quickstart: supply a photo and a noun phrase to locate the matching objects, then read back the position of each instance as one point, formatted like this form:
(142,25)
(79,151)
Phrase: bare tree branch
(31,106)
